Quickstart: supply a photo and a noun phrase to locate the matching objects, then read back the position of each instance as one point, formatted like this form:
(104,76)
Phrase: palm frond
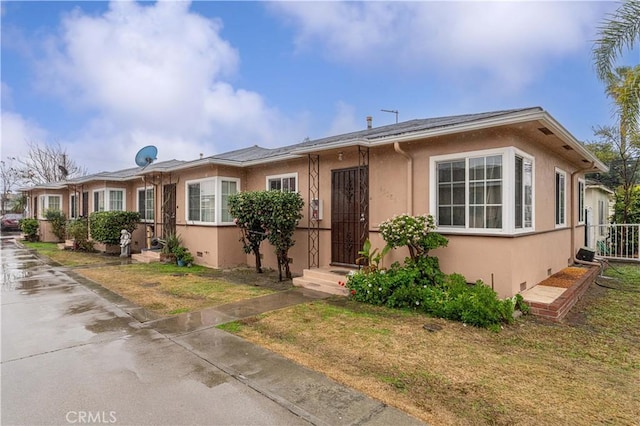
(619,31)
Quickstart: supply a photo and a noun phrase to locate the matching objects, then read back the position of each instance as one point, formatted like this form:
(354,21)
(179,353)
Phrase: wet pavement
(75,353)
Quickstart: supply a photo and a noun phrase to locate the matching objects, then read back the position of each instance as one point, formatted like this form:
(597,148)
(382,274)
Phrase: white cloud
(156,74)
(506,42)
(17,132)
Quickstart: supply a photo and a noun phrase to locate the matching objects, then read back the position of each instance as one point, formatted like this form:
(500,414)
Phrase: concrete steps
(326,280)
(146,256)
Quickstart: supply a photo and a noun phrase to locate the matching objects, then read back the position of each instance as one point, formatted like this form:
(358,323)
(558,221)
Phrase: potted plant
(183,256)
(169,246)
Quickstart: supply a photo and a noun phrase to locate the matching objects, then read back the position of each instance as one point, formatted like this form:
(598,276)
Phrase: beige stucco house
(598,204)
(505,187)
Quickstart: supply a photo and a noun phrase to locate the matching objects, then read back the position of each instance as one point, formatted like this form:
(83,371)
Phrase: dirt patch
(565,278)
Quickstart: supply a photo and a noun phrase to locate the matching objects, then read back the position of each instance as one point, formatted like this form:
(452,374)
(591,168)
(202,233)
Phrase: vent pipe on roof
(369,122)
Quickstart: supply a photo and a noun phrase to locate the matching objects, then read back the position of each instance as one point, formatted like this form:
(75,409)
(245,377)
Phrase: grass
(165,289)
(584,371)
(67,257)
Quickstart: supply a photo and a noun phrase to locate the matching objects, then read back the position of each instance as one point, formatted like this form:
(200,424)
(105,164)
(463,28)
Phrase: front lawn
(165,289)
(585,371)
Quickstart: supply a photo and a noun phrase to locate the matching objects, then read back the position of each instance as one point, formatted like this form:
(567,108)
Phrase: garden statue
(125,243)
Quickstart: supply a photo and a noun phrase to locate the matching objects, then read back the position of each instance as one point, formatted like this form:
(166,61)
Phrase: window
(473,186)
(560,199)
(485,192)
(451,190)
(85,203)
(203,206)
(108,200)
(284,183)
(49,202)
(146,205)
(228,187)
(581,200)
(488,191)
(523,193)
(98,201)
(73,206)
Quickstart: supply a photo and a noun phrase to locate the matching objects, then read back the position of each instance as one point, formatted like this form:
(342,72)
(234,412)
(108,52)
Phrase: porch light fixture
(340,156)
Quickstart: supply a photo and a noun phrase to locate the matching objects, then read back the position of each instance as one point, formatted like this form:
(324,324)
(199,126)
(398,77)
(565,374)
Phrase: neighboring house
(598,204)
(503,187)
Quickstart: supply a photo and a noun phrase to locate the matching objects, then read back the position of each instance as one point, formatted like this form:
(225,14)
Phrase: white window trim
(508,187)
(217,209)
(43,209)
(106,198)
(581,211)
(142,188)
(564,218)
(282,176)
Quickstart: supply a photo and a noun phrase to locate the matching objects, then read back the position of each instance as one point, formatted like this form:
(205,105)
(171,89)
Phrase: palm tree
(621,84)
(619,31)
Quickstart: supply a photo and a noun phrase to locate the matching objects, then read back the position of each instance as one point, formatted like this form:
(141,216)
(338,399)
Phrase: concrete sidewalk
(70,346)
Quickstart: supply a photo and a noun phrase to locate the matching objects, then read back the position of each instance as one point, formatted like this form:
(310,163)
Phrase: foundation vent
(523,286)
(199,253)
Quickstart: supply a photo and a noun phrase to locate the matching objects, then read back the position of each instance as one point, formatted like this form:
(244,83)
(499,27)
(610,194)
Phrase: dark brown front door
(347,235)
(169,210)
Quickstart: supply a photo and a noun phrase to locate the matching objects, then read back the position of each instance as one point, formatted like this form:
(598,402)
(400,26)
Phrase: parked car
(11,221)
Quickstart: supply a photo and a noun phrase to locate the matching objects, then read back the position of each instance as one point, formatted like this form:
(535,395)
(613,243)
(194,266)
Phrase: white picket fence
(615,241)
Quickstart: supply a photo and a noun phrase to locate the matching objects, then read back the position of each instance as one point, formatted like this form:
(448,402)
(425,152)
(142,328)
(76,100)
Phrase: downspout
(396,147)
(573,222)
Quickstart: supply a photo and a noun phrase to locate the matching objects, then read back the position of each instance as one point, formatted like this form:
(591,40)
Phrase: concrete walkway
(72,352)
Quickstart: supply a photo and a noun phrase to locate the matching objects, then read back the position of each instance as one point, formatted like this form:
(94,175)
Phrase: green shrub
(183,254)
(420,285)
(78,230)
(29,228)
(105,227)
(58,222)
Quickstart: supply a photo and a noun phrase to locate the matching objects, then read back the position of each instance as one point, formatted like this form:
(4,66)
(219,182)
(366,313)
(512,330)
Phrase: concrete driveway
(72,356)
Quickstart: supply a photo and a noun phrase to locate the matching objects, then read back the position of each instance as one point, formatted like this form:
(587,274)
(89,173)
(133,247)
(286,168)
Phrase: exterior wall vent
(567,147)
(545,131)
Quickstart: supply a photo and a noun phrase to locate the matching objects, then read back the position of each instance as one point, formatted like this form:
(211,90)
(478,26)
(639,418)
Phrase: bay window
(488,191)
(207,200)
(49,203)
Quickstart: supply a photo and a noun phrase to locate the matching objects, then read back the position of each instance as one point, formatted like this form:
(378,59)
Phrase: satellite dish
(64,171)
(146,156)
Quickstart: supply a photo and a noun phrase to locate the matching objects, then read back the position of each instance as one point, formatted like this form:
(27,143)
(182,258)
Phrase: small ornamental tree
(105,227)
(249,210)
(415,232)
(284,215)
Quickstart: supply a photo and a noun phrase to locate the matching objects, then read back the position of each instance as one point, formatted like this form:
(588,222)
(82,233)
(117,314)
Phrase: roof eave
(559,130)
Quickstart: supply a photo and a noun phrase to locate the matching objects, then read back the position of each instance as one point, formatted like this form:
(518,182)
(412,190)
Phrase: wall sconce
(340,156)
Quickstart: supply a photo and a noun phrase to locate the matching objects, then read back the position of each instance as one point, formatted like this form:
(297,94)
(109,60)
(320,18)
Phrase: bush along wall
(105,227)
(419,284)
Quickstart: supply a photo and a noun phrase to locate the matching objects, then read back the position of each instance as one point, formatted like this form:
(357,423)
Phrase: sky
(104,79)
